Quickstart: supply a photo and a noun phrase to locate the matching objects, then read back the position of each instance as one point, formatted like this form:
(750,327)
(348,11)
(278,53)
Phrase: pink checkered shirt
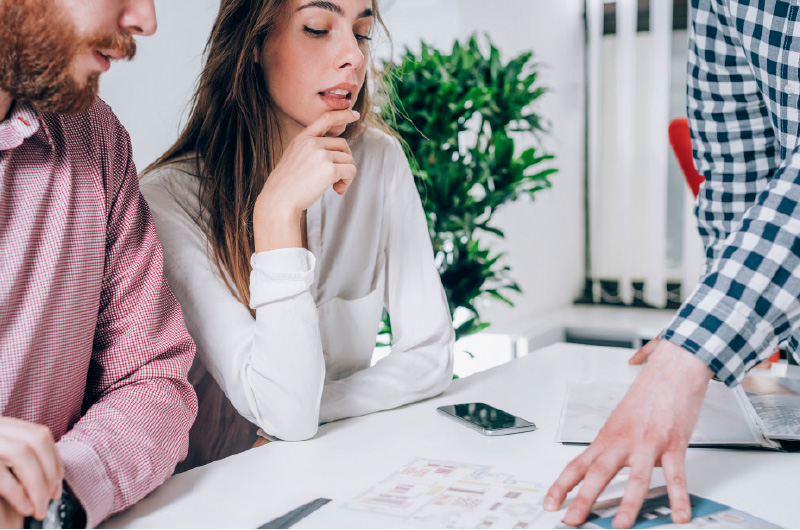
(92,341)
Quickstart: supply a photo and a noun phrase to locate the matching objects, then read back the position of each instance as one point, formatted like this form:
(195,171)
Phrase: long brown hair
(233,133)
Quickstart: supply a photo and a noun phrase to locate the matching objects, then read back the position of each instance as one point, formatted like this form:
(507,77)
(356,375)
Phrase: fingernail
(358,114)
(550,504)
(622,522)
(682,516)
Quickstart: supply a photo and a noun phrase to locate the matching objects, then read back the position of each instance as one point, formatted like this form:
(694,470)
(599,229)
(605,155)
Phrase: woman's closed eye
(322,32)
(315,32)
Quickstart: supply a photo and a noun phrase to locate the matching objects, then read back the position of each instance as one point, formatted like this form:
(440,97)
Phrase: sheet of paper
(655,513)
(722,419)
(440,494)
(776,401)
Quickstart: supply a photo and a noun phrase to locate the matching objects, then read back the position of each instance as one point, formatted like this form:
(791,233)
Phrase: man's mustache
(120,44)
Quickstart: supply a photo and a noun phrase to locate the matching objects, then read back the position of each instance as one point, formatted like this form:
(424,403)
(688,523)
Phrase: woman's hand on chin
(309,166)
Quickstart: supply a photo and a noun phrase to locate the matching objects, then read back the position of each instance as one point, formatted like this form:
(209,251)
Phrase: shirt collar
(23,122)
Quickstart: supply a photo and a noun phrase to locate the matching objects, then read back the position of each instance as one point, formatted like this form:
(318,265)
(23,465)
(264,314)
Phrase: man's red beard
(38,45)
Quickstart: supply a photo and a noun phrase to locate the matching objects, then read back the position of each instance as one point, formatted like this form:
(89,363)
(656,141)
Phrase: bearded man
(95,408)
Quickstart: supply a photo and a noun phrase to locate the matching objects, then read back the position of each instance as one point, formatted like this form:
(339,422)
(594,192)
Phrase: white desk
(347,457)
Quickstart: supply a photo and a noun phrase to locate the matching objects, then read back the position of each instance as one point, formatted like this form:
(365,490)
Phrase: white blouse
(305,358)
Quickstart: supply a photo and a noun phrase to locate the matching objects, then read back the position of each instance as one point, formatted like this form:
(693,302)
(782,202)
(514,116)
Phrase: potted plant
(460,115)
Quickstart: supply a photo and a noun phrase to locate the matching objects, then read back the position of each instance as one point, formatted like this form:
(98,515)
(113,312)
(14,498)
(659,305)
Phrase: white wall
(151,94)
(544,239)
(437,22)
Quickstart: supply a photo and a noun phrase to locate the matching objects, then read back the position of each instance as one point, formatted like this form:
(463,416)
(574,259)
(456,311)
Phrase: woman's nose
(350,54)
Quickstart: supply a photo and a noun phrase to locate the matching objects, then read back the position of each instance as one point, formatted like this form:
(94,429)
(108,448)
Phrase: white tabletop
(349,456)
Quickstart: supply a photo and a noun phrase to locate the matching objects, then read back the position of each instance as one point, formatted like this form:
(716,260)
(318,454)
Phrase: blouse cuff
(280,274)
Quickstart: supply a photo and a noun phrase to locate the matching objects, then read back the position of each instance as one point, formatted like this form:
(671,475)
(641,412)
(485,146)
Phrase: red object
(681,141)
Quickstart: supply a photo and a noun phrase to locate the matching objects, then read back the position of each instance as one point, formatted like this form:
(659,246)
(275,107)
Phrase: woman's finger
(343,177)
(338,157)
(334,144)
(329,120)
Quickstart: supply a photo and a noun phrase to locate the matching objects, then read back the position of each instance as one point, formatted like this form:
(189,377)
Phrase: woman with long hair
(289,221)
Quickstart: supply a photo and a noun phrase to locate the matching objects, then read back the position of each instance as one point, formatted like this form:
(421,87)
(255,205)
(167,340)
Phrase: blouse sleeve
(421,361)
(270,367)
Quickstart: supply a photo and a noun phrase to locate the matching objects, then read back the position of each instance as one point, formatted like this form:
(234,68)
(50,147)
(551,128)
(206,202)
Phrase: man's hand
(9,517)
(650,427)
(645,351)
(31,472)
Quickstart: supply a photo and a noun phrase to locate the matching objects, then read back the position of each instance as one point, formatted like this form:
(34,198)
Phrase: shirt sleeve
(738,313)
(271,367)
(735,147)
(420,364)
(138,406)
(749,300)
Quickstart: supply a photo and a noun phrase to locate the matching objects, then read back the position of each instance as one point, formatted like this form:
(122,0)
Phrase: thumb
(644,352)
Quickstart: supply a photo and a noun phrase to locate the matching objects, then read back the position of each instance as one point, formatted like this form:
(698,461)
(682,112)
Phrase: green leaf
(492,230)
(462,114)
(496,294)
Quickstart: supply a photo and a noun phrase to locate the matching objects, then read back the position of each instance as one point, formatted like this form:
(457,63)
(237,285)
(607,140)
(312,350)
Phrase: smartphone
(486,419)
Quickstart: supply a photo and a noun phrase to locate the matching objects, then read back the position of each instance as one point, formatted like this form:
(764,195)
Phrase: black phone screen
(486,416)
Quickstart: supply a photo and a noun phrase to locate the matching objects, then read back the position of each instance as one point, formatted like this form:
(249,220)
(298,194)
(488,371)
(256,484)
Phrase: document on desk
(774,405)
(729,417)
(440,494)
(656,513)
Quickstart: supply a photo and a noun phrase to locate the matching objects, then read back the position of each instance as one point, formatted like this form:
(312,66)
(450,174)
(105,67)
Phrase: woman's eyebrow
(333,8)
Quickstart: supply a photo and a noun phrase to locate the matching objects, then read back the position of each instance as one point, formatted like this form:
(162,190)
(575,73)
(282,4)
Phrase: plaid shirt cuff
(725,337)
(86,476)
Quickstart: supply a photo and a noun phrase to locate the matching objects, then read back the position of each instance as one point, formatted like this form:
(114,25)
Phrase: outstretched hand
(650,427)
(645,351)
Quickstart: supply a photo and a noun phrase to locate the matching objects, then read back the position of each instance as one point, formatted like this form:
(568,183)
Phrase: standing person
(743,101)
(95,407)
(282,258)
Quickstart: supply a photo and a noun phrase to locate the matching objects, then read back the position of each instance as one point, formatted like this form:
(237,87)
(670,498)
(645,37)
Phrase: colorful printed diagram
(439,494)
(655,513)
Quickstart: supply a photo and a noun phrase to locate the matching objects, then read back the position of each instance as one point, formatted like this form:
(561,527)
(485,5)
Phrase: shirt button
(791,88)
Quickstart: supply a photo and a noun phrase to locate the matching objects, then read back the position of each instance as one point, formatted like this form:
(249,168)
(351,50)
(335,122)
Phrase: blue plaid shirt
(744,113)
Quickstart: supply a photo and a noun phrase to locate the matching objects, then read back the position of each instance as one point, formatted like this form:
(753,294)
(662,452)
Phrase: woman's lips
(336,101)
